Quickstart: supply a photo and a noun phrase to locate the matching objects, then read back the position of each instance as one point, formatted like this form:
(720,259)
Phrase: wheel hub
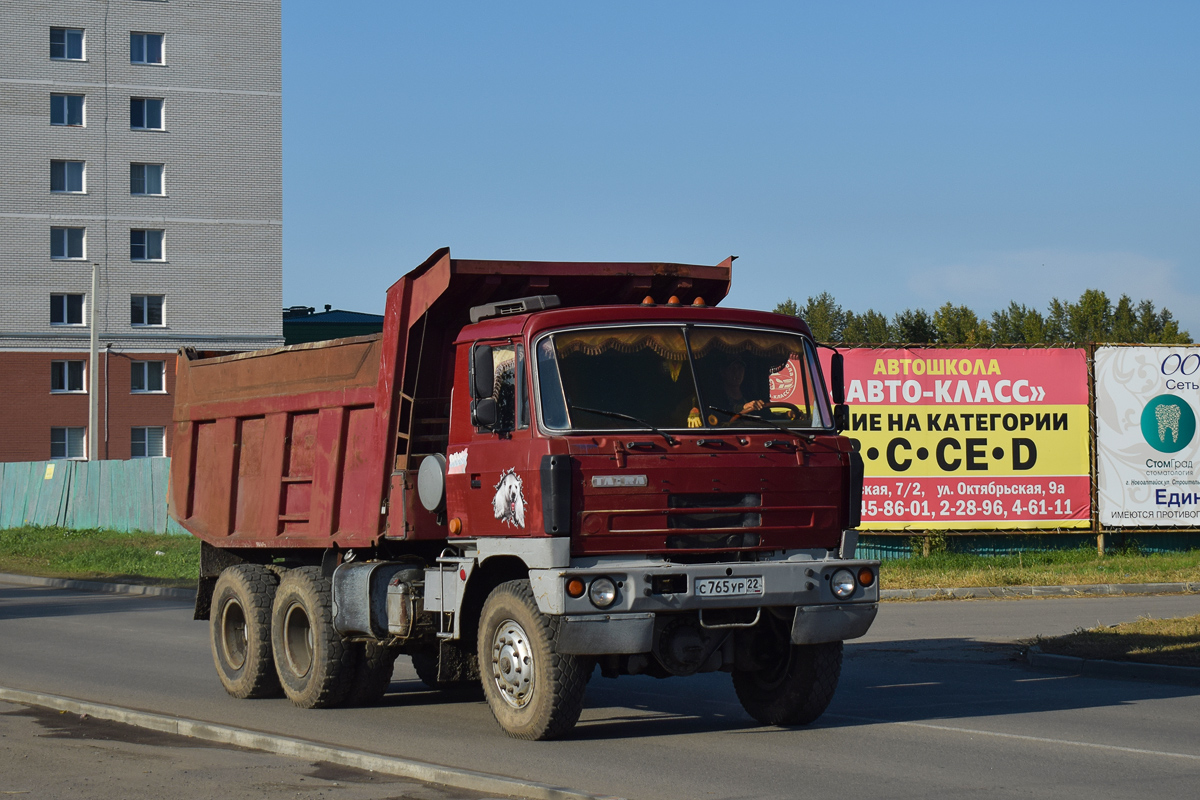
(298,640)
(512,664)
(234,635)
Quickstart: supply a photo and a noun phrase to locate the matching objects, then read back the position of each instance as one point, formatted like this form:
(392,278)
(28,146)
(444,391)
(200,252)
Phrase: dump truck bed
(278,445)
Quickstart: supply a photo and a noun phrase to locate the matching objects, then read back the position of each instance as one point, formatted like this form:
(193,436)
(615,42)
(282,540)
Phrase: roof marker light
(648,301)
(699,301)
(674,301)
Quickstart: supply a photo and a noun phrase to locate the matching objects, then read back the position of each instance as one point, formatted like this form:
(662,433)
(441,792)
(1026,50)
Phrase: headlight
(842,584)
(603,592)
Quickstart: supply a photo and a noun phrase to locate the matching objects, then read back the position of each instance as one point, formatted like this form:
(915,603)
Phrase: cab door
(492,471)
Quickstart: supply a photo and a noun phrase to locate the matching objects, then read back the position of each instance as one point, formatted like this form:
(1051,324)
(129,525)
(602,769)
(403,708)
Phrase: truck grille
(716,511)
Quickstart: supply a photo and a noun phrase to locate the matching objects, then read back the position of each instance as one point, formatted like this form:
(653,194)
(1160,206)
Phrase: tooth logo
(1168,423)
(1168,420)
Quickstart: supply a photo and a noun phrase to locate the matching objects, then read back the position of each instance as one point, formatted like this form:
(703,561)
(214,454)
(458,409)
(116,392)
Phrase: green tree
(913,327)
(1018,324)
(1158,327)
(1056,322)
(960,325)
(1124,322)
(1091,319)
(825,318)
(788,307)
(870,327)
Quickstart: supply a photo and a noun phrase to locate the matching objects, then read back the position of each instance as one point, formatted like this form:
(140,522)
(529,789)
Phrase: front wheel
(795,687)
(533,691)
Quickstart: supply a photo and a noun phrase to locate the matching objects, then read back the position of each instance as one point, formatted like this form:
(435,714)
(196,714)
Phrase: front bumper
(648,587)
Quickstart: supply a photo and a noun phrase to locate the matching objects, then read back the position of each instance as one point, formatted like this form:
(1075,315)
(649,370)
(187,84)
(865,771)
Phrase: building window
(147,376)
(146,113)
(146,48)
(146,245)
(66,109)
(66,243)
(147,442)
(146,179)
(67,442)
(66,376)
(66,309)
(66,44)
(146,309)
(66,176)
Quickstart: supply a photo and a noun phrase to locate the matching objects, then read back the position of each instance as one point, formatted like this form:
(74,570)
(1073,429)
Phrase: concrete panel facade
(220,210)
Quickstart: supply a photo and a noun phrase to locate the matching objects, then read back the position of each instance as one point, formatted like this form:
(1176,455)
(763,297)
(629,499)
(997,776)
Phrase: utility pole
(93,448)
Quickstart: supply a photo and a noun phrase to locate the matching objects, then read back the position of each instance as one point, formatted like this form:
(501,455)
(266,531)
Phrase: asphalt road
(48,755)
(932,703)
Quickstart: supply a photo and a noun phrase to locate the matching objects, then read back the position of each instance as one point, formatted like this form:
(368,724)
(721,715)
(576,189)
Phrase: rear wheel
(372,674)
(426,667)
(533,691)
(794,687)
(316,667)
(240,631)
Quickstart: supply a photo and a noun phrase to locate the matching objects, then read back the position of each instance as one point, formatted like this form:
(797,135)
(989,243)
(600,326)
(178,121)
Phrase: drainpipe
(107,356)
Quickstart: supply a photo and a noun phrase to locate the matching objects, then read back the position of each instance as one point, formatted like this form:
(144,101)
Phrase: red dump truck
(536,469)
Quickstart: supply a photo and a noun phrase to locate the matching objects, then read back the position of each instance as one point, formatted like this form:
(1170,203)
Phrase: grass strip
(146,558)
(1175,642)
(1039,568)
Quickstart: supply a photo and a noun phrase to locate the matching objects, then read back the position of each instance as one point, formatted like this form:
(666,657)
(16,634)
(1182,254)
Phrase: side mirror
(841,417)
(837,378)
(484,413)
(483,372)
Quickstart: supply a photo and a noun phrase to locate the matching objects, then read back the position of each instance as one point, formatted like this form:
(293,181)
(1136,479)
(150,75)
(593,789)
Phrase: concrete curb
(1083,590)
(304,749)
(1121,670)
(100,586)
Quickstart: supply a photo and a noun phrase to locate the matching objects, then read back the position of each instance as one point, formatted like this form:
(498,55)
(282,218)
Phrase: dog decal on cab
(508,504)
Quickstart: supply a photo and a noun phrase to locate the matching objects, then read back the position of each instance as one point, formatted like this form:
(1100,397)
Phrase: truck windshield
(674,378)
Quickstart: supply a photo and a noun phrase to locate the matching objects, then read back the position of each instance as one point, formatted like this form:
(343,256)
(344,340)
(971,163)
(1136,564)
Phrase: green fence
(117,495)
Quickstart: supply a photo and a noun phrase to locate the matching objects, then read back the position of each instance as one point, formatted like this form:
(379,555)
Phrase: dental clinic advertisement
(1147,400)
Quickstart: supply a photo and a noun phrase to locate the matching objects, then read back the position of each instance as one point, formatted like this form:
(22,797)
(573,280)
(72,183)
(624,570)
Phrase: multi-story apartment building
(141,140)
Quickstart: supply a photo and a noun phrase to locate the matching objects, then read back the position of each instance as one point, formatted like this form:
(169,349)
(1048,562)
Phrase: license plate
(729,587)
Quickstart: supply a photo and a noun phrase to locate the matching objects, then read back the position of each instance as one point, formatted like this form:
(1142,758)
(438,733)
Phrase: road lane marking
(1020,737)
(304,748)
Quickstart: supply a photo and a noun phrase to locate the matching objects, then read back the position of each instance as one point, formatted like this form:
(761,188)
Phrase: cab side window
(504,385)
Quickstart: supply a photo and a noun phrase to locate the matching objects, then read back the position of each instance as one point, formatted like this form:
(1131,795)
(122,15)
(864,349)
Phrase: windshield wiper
(617,415)
(734,414)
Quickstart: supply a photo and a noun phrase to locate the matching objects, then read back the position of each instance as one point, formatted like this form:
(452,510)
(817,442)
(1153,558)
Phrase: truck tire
(240,631)
(316,667)
(374,664)
(796,690)
(533,691)
(426,667)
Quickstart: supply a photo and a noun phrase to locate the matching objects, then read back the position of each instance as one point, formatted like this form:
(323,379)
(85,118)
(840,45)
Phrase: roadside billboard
(979,439)
(1147,401)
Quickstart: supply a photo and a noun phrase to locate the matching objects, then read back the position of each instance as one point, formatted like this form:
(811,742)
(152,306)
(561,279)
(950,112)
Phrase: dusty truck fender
(448,582)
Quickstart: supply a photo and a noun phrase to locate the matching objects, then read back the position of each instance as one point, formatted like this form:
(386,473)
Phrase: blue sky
(894,154)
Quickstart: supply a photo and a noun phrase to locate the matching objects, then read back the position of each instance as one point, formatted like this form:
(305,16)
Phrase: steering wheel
(793,411)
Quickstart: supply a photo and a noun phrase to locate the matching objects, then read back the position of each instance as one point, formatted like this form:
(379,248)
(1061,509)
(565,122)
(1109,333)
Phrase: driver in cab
(733,375)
